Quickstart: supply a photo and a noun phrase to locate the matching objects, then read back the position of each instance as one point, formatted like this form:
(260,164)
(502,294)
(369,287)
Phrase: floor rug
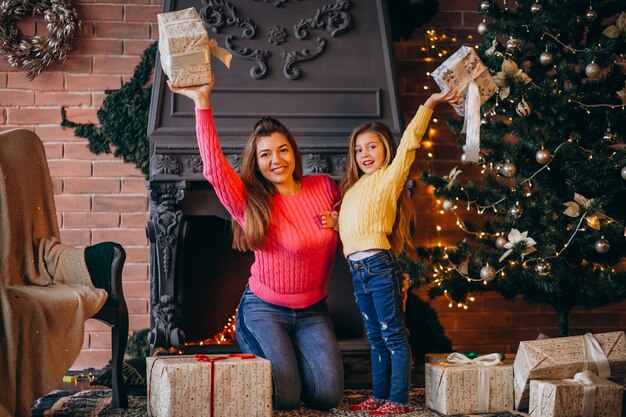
(96,403)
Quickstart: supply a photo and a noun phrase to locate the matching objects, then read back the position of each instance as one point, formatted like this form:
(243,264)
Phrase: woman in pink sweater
(283,314)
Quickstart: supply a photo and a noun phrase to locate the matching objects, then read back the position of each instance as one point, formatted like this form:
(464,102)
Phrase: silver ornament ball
(624,173)
(536,8)
(591,14)
(592,70)
(513,45)
(484,121)
(447,205)
(508,169)
(516,211)
(610,136)
(543,268)
(543,156)
(485,6)
(602,246)
(523,109)
(546,58)
(500,242)
(482,28)
(487,273)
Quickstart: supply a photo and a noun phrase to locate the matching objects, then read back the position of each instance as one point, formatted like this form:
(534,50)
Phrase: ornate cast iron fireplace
(322,67)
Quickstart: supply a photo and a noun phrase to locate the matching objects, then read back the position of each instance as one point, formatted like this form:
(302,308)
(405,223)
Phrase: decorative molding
(165,164)
(292,57)
(332,17)
(234,159)
(194,164)
(276,35)
(260,69)
(167,316)
(315,163)
(220,14)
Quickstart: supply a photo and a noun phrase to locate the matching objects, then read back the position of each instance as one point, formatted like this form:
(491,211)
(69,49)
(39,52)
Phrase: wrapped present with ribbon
(185,48)
(603,354)
(209,385)
(586,395)
(461,385)
(466,73)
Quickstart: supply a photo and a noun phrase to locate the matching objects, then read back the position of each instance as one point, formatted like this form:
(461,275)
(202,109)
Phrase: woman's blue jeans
(303,349)
(378,290)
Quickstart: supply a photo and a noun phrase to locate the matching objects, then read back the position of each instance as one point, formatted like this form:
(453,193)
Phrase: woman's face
(275,159)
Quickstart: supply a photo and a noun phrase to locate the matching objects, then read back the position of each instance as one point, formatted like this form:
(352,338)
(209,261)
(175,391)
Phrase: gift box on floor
(587,395)
(563,357)
(465,386)
(209,386)
(185,48)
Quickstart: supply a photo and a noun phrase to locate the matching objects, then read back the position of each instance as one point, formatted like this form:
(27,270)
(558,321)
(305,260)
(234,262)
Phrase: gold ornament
(543,268)
(546,58)
(487,273)
(523,108)
(592,70)
(543,156)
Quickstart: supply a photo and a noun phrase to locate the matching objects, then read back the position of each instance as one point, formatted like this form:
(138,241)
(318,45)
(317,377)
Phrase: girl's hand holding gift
(451,97)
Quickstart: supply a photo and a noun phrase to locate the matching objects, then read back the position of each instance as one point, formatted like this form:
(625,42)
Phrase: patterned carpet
(95,402)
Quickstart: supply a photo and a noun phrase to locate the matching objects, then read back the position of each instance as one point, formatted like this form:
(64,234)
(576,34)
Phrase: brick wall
(100,198)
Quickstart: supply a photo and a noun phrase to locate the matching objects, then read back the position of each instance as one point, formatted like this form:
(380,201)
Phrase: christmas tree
(553,159)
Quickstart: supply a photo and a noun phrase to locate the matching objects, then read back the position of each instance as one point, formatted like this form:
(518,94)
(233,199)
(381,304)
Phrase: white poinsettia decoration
(579,204)
(614,31)
(516,238)
(451,177)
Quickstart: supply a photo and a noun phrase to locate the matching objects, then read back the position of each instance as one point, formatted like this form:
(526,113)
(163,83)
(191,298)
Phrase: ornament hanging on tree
(513,45)
(523,108)
(487,273)
(546,58)
(508,169)
(591,14)
(516,211)
(592,70)
(602,245)
(485,6)
(624,173)
(543,268)
(500,242)
(610,136)
(484,121)
(482,28)
(543,156)
(536,8)
(447,205)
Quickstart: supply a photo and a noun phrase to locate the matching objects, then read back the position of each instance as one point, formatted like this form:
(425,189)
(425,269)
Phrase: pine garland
(123,127)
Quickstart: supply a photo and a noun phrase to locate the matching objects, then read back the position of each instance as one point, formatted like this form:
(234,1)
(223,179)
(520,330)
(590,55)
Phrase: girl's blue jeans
(378,290)
(303,349)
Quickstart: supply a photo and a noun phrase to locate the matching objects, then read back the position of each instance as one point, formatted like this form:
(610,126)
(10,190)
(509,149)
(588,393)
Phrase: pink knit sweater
(293,266)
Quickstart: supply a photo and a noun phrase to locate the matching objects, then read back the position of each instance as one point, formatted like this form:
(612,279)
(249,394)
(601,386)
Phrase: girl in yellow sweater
(373,225)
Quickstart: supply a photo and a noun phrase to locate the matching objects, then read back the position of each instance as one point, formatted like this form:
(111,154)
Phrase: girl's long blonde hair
(259,190)
(401,237)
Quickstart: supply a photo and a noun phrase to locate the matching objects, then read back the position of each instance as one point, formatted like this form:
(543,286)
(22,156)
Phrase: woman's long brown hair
(259,190)
(400,238)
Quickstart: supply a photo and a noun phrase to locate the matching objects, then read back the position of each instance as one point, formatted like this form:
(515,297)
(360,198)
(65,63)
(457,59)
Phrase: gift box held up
(603,354)
(209,386)
(464,386)
(586,395)
(465,72)
(185,48)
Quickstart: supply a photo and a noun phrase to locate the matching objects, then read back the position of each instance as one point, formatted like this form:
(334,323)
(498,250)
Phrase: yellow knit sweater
(368,209)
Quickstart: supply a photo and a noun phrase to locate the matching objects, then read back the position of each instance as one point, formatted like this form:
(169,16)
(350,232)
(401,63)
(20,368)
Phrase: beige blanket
(45,289)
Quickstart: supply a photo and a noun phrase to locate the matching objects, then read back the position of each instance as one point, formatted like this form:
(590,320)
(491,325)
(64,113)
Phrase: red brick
(92,47)
(46,81)
(91,359)
(138,322)
(472,19)
(137,306)
(57,185)
(134,220)
(133,186)
(100,340)
(70,202)
(136,46)
(447,19)
(62,99)
(137,253)
(126,1)
(76,237)
(56,133)
(458,5)
(82,115)
(154,31)
(3,115)
(141,13)
(92,82)
(99,12)
(33,115)
(124,204)
(81,151)
(114,64)
(122,30)
(3,80)
(85,341)
(79,64)
(123,236)
(136,289)
(98,99)
(115,169)
(68,168)
(91,185)
(87,220)
(86,30)
(93,325)
(53,150)
(17,98)
(135,272)
(27,26)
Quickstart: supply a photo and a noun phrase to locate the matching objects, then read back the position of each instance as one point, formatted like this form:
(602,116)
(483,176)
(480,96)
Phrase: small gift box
(185,48)
(465,386)
(587,395)
(563,357)
(209,386)
(466,73)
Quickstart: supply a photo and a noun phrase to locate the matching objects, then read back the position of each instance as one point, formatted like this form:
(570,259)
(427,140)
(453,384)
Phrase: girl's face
(275,159)
(369,152)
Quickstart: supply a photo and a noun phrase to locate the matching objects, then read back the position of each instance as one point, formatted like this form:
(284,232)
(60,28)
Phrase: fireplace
(322,68)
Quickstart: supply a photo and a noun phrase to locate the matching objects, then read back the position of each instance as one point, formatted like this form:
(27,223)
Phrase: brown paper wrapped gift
(464,386)
(209,386)
(563,357)
(185,48)
(587,395)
